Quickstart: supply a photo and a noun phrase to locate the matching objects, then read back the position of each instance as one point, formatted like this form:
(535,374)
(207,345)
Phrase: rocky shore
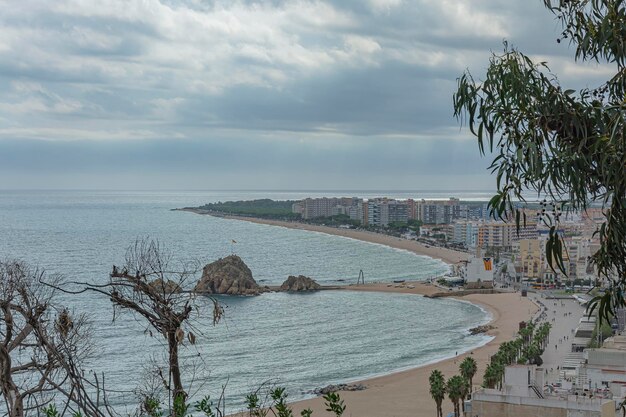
(339,387)
(481,329)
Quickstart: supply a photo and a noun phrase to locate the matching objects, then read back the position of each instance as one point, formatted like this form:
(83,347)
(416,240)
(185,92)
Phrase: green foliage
(255,408)
(152,406)
(527,348)
(334,404)
(180,406)
(205,406)
(437,389)
(456,387)
(566,145)
(334,220)
(264,208)
(414,224)
(468,368)
(279,407)
(51,411)
(401,226)
(280,403)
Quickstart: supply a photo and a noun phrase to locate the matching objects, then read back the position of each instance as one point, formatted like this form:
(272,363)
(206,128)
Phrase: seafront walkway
(564,315)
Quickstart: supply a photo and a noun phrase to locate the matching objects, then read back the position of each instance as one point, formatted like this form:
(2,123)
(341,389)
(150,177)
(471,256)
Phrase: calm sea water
(301,341)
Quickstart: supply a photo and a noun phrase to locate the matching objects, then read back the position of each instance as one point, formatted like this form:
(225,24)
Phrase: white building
(478,269)
(522,395)
(606,367)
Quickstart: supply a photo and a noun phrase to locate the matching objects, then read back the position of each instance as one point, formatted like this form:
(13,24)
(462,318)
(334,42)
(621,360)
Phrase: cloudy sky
(201,94)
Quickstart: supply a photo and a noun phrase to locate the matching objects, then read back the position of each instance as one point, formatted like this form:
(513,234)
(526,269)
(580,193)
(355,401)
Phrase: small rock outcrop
(230,276)
(481,329)
(340,387)
(300,283)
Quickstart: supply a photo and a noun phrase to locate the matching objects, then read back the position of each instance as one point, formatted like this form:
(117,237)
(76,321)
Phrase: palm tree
(468,370)
(455,392)
(437,389)
(465,390)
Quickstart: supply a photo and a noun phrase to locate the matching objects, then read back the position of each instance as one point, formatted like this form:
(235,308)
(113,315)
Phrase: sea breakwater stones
(230,276)
(339,387)
(481,329)
(300,283)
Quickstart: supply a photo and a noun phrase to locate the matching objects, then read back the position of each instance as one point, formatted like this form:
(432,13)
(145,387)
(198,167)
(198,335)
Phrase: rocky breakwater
(481,329)
(340,387)
(229,276)
(299,284)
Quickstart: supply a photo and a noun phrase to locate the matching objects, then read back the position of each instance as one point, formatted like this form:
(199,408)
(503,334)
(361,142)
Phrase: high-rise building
(438,211)
(311,208)
(463,231)
(381,212)
(501,234)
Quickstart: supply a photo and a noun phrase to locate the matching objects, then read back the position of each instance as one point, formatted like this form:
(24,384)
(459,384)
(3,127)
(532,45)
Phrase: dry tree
(41,347)
(153,289)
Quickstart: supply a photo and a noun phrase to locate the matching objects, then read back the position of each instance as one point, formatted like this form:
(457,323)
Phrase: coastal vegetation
(437,389)
(527,348)
(335,221)
(262,208)
(566,146)
(468,369)
(458,387)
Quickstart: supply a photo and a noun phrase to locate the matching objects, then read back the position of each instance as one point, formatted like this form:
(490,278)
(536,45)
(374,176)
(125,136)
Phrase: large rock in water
(229,275)
(300,283)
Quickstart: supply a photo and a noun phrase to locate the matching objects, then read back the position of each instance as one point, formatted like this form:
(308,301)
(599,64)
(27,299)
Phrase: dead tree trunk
(10,391)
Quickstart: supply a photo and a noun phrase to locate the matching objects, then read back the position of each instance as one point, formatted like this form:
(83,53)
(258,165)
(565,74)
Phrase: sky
(193,94)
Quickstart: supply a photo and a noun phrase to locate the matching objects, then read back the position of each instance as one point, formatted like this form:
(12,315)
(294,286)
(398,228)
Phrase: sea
(297,341)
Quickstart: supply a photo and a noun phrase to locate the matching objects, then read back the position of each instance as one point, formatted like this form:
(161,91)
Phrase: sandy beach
(447,255)
(406,393)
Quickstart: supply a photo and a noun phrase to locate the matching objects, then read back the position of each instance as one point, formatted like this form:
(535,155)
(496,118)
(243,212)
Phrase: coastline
(406,393)
(448,256)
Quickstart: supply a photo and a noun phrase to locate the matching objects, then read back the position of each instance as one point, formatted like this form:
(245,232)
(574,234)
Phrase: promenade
(563,315)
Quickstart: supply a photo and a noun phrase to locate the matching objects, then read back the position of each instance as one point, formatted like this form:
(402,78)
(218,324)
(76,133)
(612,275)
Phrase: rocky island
(300,284)
(229,275)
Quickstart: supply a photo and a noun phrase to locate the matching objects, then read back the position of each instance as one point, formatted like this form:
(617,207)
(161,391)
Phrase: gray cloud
(249,87)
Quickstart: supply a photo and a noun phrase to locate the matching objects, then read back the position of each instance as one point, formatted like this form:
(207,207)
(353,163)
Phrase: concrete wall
(488,404)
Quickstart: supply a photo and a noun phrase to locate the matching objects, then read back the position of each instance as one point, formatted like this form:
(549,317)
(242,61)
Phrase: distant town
(515,255)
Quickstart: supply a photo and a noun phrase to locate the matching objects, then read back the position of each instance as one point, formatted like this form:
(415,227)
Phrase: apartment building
(438,211)
(473,211)
(501,234)
(412,209)
(465,232)
(311,208)
(383,211)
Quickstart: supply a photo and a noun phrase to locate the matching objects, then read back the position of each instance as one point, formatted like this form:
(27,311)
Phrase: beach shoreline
(406,393)
(449,256)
